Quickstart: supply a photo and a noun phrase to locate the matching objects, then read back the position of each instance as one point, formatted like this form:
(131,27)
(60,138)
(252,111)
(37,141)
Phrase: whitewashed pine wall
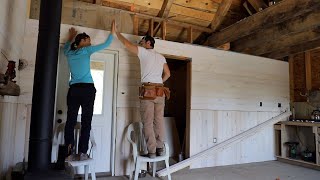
(226,91)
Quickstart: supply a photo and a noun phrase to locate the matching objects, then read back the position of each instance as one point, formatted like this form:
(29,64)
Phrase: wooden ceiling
(253,27)
(180,15)
(196,12)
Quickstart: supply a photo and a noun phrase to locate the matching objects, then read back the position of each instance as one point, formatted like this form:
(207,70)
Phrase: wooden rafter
(151,26)
(165,9)
(289,40)
(179,37)
(190,35)
(168,21)
(275,14)
(258,4)
(97,2)
(135,25)
(246,6)
(163,30)
(220,14)
(298,24)
(222,11)
(301,47)
(163,13)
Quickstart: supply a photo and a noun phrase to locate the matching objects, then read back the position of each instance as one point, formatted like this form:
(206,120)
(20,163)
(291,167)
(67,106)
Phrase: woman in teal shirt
(81,91)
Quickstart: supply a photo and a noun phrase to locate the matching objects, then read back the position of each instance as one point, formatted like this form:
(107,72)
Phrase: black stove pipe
(44,87)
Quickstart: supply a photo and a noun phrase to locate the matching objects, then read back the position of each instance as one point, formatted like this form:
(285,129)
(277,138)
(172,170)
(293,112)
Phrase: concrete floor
(254,171)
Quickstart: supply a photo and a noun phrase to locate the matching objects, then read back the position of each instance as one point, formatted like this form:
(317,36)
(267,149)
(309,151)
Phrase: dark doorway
(178,105)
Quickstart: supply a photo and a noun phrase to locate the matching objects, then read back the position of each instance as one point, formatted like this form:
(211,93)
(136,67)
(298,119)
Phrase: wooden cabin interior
(245,80)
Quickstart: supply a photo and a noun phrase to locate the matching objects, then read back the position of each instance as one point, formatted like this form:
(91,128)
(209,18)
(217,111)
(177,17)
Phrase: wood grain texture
(299,77)
(307,59)
(315,68)
(275,14)
(220,14)
(272,34)
(295,49)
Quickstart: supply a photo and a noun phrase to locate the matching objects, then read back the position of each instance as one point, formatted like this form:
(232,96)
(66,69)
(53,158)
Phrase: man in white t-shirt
(154,72)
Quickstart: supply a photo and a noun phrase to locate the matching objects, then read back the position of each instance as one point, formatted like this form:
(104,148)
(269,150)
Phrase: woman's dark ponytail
(77,40)
(74,46)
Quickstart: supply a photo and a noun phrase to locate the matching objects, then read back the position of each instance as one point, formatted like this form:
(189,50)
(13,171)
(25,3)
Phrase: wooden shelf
(295,123)
(308,136)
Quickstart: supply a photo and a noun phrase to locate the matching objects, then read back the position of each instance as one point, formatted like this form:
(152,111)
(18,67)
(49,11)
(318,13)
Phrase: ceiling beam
(222,11)
(158,19)
(258,5)
(220,14)
(275,14)
(163,13)
(298,24)
(290,50)
(97,2)
(289,40)
(165,9)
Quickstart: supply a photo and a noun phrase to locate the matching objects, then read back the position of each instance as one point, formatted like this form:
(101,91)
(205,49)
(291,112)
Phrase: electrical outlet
(214,140)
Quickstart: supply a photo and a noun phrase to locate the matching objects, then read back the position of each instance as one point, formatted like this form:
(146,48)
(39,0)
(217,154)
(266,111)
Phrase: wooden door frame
(188,96)
(114,108)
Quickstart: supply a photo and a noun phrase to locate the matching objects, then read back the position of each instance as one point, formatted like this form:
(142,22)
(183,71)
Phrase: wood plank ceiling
(268,28)
(204,16)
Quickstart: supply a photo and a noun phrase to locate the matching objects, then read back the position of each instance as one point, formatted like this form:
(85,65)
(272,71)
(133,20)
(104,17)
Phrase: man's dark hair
(151,39)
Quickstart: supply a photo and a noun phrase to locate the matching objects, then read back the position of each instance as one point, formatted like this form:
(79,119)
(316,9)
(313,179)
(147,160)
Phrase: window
(97,72)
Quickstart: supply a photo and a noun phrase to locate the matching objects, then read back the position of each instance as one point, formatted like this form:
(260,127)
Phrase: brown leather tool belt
(150,91)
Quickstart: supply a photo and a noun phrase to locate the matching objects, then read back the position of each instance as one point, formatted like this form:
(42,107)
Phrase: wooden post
(258,5)
(164,30)
(284,138)
(291,77)
(245,5)
(316,133)
(190,35)
(135,25)
(151,27)
(307,59)
(28,8)
(99,2)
